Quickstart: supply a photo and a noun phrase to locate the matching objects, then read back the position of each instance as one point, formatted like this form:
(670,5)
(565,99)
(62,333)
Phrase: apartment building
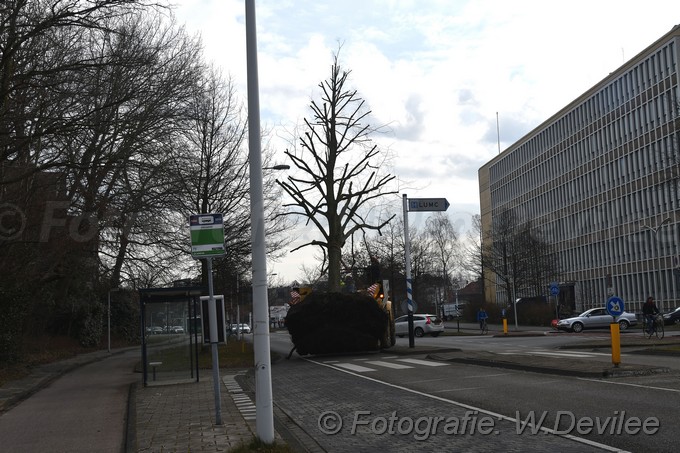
(601,180)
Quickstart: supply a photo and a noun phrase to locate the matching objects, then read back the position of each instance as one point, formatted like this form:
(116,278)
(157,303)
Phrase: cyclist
(649,311)
(482,316)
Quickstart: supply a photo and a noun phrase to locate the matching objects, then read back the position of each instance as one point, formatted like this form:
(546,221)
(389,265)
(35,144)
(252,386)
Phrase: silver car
(595,318)
(423,324)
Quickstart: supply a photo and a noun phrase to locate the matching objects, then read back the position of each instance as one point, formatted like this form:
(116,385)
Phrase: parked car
(243,328)
(672,318)
(177,329)
(595,318)
(423,324)
(154,330)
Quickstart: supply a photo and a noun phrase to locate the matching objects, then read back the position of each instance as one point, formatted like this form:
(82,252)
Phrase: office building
(601,180)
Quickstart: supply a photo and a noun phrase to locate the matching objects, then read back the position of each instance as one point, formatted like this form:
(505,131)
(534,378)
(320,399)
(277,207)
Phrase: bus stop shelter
(171,334)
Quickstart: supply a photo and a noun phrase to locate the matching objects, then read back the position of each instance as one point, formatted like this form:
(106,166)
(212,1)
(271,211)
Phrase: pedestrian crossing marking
(353,367)
(395,366)
(423,362)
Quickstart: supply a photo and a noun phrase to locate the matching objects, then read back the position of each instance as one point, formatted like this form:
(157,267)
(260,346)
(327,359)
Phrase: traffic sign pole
(207,241)
(212,312)
(616,343)
(407,263)
(615,307)
(415,204)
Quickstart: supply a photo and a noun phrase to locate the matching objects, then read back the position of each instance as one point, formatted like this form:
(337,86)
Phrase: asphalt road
(83,411)
(377,387)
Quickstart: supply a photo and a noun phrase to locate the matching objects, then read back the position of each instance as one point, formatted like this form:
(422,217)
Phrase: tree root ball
(326,323)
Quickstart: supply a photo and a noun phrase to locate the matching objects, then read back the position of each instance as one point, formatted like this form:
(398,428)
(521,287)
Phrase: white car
(595,318)
(423,324)
(243,328)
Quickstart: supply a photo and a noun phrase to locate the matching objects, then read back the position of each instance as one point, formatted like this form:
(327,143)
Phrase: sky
(452,82)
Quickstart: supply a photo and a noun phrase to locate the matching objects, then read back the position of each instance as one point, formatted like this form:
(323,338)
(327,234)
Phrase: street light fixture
(278,167)
(108,317)
(658,256)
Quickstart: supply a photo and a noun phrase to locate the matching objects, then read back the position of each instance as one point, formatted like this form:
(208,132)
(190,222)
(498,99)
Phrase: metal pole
(108,321)
(212,312)
(514,302)
(264,410)
(407,265)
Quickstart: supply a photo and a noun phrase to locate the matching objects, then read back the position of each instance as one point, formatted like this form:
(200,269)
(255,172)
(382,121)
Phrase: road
(367,391)
(554,344)
(83,411)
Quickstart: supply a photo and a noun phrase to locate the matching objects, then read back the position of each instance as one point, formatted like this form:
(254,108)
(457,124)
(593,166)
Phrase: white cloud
(437,72)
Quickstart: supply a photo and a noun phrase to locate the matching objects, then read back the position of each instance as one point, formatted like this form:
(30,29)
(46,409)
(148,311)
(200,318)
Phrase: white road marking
(395,366)
(423,362)
(663,389)
(473,408)
(353,367)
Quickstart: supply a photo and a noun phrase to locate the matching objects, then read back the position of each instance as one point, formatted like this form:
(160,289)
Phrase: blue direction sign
(554,289)
(428,204)
(615,306)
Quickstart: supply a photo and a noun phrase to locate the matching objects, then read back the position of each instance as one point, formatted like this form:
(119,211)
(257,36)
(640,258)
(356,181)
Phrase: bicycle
(484,327)
(655,329)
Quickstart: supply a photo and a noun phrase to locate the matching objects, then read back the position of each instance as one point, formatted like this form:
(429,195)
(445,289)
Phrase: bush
(13,305)
(336,322)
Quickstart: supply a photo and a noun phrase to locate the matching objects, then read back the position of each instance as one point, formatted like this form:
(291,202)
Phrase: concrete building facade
(601,180)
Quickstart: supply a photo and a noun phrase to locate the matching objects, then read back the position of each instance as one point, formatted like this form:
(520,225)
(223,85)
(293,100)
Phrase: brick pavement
(181,417)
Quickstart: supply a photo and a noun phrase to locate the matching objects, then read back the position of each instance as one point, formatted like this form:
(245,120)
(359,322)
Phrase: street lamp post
(658,257)
(264,410)
(277,167)
(108,317)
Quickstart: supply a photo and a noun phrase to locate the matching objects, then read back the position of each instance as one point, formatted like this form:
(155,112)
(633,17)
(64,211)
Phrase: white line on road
(423,362)
(663,389)
(396,366)
(353,367)
(469,407)
(561,354)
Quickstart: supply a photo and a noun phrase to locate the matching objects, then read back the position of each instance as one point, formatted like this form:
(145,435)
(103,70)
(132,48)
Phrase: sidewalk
(181,417)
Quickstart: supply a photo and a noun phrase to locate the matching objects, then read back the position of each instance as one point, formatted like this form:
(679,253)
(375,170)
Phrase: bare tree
(41,48)
(444,244)
(473,258)
(213,174)
(340,168)
(515,252)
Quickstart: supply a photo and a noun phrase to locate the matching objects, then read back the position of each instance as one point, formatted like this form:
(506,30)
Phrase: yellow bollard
(505,326)
(616,343)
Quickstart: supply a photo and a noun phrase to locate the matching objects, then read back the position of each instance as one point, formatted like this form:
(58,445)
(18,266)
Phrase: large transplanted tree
(340,171)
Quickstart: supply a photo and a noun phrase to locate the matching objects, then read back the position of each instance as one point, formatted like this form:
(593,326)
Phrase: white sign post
(415,204)
(207,241)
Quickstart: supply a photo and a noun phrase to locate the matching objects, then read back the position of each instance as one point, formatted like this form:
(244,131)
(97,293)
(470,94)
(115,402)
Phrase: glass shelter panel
(169,317)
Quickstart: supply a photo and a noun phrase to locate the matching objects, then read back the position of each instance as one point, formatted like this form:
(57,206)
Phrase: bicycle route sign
(615,306)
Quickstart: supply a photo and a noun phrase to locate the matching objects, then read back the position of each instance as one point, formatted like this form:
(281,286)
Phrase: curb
(536,368)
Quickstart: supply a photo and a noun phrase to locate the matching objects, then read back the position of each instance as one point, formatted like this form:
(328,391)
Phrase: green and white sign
(207,235)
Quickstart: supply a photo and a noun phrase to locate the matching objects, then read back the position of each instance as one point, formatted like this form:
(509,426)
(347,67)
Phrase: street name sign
(428,204)
(207,235)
